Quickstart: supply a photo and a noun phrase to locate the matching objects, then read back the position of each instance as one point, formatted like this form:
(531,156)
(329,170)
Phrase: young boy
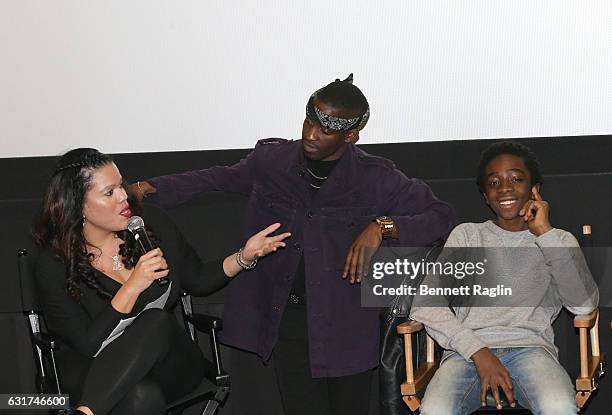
(510,348)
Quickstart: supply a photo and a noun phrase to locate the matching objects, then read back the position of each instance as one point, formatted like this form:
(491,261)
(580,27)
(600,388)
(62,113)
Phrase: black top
(318,171)
(83,325)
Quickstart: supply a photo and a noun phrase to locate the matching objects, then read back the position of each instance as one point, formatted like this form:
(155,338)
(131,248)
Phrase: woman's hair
(515,149)
(59,225)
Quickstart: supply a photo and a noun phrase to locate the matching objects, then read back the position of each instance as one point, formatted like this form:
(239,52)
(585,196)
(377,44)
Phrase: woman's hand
(150,267)
(535,213)
(260,244)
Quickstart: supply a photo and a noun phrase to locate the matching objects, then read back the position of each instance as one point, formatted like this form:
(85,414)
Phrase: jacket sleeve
(176,189)
(65,316)
(196,277)
(419,216)
(440,322)
(199,278)
(569,270)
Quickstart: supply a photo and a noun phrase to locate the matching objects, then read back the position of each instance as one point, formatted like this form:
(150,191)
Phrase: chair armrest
(415,380)
(592,365)
(44,341)
(409,327)
(585,320)
(213,370)
(205,323)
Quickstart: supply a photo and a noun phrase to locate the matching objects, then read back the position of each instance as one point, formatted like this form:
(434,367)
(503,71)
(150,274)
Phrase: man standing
(336,200)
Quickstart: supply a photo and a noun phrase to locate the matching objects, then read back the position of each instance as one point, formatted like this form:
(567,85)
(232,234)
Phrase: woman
(91,275)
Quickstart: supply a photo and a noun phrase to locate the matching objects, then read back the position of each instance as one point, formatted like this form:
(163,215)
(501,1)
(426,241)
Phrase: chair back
(26,263)
(26,260)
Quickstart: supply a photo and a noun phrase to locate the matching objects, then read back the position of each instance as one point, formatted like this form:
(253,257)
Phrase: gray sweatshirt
(555,272)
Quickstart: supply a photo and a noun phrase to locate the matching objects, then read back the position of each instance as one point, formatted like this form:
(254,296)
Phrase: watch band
(387,226)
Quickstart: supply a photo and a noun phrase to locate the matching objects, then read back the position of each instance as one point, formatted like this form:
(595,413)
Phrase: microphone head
(135,223)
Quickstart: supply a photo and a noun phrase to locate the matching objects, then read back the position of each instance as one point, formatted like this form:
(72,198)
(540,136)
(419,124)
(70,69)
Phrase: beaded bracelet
(243,264)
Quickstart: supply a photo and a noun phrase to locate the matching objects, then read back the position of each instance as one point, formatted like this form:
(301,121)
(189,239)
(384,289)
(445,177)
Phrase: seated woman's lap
(153,349)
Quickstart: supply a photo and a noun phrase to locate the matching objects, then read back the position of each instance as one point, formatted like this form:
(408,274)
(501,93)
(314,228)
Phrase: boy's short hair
(515,149)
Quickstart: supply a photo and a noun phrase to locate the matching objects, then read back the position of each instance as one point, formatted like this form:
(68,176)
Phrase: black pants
(151,363)
(300,392)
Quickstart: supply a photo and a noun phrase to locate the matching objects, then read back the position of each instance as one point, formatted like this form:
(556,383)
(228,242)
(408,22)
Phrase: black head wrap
(343,94)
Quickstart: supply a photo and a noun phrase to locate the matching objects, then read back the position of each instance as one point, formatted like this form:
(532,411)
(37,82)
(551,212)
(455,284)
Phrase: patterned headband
(332,122)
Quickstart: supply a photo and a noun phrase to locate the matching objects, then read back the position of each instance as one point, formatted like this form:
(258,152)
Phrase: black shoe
(70,412)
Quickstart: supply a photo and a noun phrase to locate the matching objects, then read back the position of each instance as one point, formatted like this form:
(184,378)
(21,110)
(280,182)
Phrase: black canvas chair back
(43,346)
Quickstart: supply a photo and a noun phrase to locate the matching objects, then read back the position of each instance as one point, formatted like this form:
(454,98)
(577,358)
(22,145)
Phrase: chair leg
(210,408)
(412,402)
(213,404)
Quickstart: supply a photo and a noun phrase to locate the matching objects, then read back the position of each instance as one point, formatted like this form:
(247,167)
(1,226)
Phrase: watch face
(387,226)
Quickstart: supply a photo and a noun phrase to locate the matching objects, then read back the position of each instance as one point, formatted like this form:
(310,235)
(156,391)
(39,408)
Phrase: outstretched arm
(258,246)
(203,279)
(175,189)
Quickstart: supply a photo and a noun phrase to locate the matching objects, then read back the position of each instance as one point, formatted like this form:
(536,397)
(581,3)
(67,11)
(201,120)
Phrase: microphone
(137,227)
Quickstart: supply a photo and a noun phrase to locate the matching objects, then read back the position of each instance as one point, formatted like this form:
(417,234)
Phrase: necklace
(314,175)
(117,264)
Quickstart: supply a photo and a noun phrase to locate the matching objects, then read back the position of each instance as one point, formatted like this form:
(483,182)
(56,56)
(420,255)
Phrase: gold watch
(387,226)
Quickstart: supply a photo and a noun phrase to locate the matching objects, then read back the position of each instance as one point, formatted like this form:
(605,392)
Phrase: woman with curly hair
(91,275)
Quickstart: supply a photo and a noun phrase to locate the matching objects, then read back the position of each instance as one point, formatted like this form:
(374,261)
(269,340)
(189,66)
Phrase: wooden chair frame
(592,365)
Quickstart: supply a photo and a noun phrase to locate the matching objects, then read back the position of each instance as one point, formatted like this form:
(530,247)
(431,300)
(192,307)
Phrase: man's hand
(360,252)
(535,213)
(141,189)
(493,374)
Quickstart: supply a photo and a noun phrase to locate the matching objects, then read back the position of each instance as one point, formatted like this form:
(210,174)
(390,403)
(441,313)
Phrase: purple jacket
(343,336)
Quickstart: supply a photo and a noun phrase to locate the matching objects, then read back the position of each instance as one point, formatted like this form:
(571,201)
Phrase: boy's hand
(535,213)
(494,375)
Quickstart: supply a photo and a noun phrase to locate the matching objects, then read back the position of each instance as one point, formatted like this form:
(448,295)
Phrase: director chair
(592,363)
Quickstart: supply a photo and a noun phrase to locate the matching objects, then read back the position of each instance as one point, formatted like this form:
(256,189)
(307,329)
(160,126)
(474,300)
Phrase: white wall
(131,76)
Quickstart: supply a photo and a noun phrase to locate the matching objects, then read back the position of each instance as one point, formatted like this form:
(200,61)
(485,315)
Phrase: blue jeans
(539,383)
